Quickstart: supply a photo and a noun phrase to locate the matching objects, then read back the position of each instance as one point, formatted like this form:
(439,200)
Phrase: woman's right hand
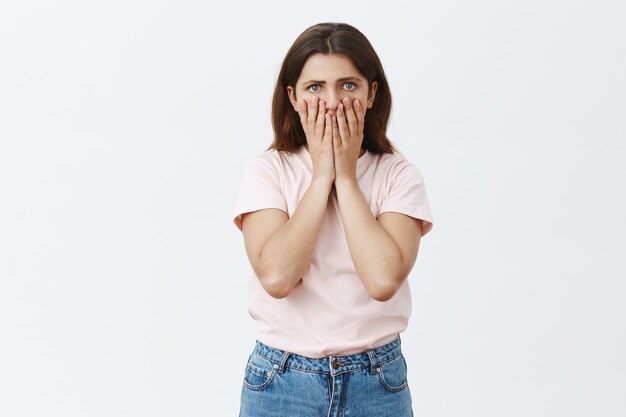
(319,136)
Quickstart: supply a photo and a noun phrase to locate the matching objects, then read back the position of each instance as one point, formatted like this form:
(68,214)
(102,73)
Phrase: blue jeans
(371,383)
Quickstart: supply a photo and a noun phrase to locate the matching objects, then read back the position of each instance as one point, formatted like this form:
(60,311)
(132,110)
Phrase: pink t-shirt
(330,313)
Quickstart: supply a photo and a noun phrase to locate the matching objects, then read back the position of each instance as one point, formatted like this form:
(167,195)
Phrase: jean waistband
(331,364)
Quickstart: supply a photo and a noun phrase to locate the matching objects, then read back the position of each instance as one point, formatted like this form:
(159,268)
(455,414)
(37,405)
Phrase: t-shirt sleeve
(259,188)
(406,194)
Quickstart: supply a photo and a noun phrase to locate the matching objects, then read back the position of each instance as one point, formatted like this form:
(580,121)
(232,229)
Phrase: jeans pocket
(393,374)
(259,372)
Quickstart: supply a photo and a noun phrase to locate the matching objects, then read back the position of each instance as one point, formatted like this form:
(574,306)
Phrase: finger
(350,116)
(328,128)
(342,125)
(302,112)
(321,117)
(336,139)
(360,115)
(312,113)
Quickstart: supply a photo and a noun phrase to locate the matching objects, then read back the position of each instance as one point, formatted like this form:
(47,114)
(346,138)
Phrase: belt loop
(283,361)
(373,362)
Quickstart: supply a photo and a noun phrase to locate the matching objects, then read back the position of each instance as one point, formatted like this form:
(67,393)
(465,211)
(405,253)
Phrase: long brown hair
(331,38)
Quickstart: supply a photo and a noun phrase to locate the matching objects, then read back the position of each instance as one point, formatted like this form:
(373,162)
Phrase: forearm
(376,256)
(288,252)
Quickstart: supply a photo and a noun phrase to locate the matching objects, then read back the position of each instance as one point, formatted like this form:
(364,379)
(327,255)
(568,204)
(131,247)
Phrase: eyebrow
(339,80)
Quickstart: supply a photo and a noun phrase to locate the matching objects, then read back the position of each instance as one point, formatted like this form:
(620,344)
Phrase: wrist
(322,183)
(345,182)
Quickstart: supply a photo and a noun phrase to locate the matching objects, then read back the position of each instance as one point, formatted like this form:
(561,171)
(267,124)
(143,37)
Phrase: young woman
(332,218)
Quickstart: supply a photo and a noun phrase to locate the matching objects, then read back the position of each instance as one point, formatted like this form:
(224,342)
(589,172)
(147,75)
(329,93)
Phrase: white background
(125,125)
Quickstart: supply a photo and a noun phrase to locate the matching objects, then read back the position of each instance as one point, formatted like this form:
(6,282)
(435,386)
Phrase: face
(331,78)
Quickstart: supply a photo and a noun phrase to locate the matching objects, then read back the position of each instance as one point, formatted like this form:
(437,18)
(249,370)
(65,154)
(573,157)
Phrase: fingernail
(341,107)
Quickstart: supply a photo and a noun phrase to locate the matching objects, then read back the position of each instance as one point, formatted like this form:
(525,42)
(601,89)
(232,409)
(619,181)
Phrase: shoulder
(390,159)
(266,158)
(393,165)
(266,163)
(269,159)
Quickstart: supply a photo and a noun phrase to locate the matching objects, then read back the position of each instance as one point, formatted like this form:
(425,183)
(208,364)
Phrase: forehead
(328,67)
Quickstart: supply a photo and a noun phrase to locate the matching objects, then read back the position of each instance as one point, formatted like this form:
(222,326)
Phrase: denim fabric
(372,383)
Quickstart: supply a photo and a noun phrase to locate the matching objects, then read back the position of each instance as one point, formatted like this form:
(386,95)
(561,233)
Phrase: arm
(383,251)
(280,248)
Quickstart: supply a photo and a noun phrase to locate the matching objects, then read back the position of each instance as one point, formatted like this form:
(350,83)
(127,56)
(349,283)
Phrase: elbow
(382,294)
(276,286)
(275,281)
(385,289)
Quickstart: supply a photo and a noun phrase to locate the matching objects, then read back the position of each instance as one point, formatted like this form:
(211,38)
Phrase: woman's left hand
(347,138)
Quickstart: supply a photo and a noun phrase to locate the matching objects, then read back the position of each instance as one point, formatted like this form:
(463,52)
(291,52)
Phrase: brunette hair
(331,38)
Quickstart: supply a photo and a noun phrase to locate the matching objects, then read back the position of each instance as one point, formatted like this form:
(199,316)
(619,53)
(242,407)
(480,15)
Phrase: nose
(332,99)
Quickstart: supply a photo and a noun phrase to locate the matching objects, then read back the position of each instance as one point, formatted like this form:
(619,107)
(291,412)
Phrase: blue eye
(352,86)
(310,88)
